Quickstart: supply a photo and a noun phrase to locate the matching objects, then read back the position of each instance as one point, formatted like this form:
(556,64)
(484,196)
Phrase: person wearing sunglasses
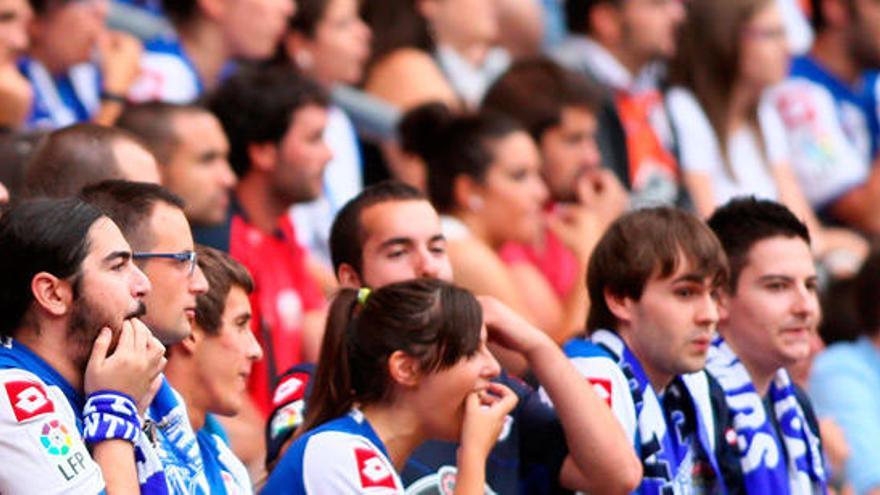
(153,222)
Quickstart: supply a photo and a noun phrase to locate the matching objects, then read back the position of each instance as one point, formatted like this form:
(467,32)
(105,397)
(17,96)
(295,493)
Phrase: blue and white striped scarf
(793,466)
(662,452)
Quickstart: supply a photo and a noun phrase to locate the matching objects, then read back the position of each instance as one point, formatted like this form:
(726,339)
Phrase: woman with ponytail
(398,366)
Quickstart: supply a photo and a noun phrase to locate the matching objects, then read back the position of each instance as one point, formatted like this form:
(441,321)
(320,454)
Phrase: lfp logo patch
(55,438)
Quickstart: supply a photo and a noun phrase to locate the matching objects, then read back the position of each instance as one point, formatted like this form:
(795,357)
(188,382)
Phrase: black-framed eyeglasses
(183,256)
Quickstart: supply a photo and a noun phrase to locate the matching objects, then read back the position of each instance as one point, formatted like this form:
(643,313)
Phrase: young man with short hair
(192,152)
(771,309)
(75,363)
(153,222)
(210,367)
(274,119)
(68,159)
(390,233)
(652,281)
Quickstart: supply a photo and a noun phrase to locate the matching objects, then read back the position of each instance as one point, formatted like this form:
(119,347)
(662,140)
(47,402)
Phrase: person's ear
(404,369)
(723,304)
(263,156)
(52,294)
(212,9)
(467,193)
(622,307)
(837,13)
(192,341)
(427,8)
(348,276)
(298,49)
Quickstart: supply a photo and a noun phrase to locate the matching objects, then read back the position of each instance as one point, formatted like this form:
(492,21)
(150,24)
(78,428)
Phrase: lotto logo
(290,388)
(374,473)
(602,388)
(28,400)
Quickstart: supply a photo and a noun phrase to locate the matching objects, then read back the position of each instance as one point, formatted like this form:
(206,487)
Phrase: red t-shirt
(284,291)
(556,262)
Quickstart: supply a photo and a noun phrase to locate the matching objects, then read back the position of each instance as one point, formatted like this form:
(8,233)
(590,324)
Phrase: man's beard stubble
(86,323)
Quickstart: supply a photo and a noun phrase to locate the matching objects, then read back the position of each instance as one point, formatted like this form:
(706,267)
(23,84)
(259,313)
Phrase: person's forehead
(781,255)
(412,219)
(685,269)
(169,228)
(105,238)
(307,116)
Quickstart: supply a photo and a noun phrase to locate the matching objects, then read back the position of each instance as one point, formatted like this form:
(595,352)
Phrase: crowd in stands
(440,246)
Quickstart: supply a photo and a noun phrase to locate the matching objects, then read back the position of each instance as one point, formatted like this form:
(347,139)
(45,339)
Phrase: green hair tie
(363,294)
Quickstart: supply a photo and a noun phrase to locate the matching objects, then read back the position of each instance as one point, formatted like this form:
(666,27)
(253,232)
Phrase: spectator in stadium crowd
(74,360)
(829,108)
(328,41)
(78,69)
(484,179)
(559,108)
(152,220)
(855,367)
(274,119)
(433,50)
(193,155)
(402,364)
(729,54)
(210,367)
(68,159)
(16,94)
(209,36)
(622,45)
(391,233)
(652,281)
(771,310)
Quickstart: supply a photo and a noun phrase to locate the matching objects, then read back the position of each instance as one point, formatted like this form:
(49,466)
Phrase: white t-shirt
(700,149)
(41,447)
(829,139)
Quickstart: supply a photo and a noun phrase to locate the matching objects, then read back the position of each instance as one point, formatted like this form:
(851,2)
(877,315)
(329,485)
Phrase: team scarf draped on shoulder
(662,452)
(793,466)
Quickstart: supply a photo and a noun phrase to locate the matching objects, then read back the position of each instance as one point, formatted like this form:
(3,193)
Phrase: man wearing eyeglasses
(153,222)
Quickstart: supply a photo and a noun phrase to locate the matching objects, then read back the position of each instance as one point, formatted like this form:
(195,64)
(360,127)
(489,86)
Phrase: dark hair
(41,7)
(68,159)
(817,14)
(151,122)
(867,287)
(577,14)
(452,145)
(39,235)
(130,205)
(536,90)
(646,243)
(395,24)
(180,11)
(223,273)
(429,319)
(347,234)
(744,221)
(307,16)
(257,105)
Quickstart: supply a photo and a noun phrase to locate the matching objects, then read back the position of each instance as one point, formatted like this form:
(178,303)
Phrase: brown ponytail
(429,319)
